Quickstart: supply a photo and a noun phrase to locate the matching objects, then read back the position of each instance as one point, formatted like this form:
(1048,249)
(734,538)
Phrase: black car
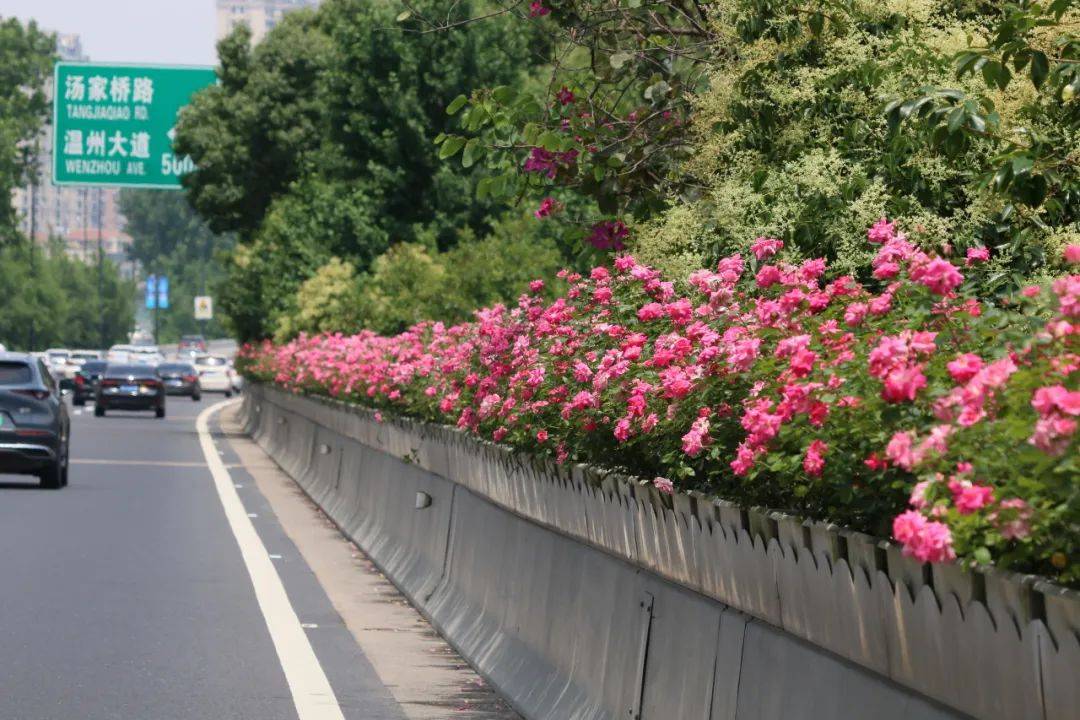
(86,381)
(34,425)
(130,387)
(180,379)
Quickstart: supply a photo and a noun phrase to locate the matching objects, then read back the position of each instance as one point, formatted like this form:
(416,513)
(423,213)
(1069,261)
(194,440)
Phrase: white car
(216,374)
(79,357)
(118,354)
(57,361)
(145,355)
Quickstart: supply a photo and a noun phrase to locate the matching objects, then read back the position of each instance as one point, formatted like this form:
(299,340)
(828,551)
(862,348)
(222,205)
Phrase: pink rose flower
(969,497)
(765,247)
(903,384)
(977,255)
(663,485)
(964,367)
(814,460)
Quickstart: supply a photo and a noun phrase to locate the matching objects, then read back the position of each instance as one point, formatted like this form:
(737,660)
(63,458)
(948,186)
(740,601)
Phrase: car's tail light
(79,379)
(107,382)
(190,378)
(151,384)
(32,433)
(36,394)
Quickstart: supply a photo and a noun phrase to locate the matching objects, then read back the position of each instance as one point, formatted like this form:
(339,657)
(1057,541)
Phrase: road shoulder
(424,675)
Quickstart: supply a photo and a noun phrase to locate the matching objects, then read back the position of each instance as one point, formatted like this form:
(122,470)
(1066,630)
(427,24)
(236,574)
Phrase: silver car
(34,424)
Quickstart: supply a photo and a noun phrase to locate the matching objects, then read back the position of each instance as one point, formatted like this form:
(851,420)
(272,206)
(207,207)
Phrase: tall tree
(26,59)
(319,142)
(169,238)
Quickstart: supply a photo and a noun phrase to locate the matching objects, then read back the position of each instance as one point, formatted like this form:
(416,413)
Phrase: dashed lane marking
(311,691)
(157,463)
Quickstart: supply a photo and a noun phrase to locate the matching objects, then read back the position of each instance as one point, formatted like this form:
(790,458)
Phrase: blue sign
(157,292)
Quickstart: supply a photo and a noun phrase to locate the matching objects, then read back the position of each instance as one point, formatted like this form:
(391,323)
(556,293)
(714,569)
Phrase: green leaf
(472,150)
(550,141)
(1021,164)
(657,91)
(1032,190)
(450,147)
(504,94)
(619,59)
(956,119)
(1040,68)
(483,188)
(982,555)
(405,15)
(456,104)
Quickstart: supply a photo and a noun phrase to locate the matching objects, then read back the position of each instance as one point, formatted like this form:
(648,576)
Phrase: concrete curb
(581,595)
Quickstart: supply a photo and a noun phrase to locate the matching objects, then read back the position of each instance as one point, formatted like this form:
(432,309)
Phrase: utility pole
(85,224)
(101,272)
(33,241)
(32,164)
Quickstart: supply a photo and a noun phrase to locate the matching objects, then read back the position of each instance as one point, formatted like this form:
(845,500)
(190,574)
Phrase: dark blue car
(34,424)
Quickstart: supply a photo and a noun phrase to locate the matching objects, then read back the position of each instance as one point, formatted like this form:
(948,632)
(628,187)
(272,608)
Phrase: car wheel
(159,412)
(52,477)
(99,410)
(78,401)
(228,393)
(196,398)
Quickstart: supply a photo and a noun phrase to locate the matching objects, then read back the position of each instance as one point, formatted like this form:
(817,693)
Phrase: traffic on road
(141,591)
(35,388)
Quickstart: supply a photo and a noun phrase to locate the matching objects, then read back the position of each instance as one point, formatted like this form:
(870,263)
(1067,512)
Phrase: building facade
(79,217)
(261,16)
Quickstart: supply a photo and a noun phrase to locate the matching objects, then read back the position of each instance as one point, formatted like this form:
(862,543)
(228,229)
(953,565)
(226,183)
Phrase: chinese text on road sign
(113,124)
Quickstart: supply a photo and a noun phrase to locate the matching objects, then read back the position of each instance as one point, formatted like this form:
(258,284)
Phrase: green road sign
(113,123)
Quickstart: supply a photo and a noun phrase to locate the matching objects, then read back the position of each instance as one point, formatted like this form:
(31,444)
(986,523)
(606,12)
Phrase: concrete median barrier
(582,595)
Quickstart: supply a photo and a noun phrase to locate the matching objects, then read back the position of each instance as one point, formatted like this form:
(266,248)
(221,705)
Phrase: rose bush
(907,408)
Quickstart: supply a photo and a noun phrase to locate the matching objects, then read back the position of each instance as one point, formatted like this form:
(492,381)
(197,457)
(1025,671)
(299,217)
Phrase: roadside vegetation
(706,173)
(46,298)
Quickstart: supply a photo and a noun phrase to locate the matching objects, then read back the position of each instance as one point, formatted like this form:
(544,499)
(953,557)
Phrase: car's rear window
(123,371)
(94,366)
(15,373)
(175,368)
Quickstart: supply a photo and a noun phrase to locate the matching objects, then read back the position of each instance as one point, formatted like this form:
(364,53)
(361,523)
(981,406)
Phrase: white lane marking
(157,463)
(312,694)
(274,557)
(253,515)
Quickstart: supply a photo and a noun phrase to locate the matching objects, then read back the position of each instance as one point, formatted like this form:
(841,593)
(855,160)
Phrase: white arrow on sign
(171,134)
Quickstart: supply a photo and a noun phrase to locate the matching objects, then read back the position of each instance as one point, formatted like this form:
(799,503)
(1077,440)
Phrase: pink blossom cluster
(771,384)
(548,163)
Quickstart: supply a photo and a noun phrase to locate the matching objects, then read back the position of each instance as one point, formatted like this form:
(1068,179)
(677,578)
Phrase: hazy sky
(153,31)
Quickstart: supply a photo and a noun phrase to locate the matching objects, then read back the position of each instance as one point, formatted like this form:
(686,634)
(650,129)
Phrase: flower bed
(904,406)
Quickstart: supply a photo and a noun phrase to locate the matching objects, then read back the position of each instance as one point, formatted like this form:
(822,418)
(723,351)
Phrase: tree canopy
(322,136)
(26,60)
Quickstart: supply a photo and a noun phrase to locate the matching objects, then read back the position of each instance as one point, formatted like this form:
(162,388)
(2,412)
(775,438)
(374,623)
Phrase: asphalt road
(125,596)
